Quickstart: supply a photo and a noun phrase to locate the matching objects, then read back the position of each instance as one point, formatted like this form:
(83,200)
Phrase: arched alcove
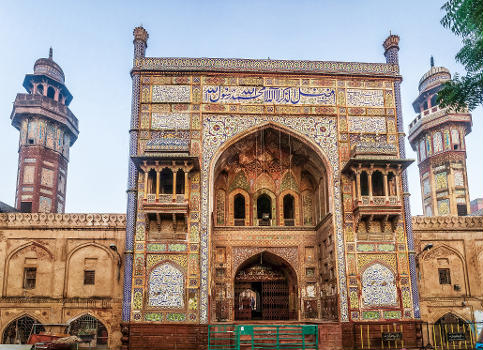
(378,286)
(89,329)
(166,287)
(19,330)
(265,288)
(270,161)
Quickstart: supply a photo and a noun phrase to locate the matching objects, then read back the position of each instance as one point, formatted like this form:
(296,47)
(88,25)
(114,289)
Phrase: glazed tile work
(166,287)
(378,286)
(173,279)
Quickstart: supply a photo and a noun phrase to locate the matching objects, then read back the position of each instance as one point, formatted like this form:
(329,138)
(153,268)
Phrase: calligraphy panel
(378,286)
(459,179)
(366,98)
(166,287)
(367,124)
(170,121)
(269,95)
(171,93)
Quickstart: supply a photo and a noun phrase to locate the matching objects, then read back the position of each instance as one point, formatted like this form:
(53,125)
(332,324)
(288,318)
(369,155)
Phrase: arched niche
(232,221)
(90,271)
(264,202)
(166,287)
(284,218)
(265,288)
(29,268)
(90,328)
(18,330)
(273,159)
(378,286)
(443,271)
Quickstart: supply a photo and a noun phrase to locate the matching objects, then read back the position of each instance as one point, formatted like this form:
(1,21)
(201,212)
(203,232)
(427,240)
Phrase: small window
(26,207)
(239,208)
(462,210)
(444,276)
(50,92)
(89,277)
(29,277)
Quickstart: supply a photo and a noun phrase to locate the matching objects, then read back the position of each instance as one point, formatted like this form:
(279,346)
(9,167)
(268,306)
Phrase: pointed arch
(166,286)
(442,250)
(86,321)
(12,255)
(69,274)
(27,325)
(378,285)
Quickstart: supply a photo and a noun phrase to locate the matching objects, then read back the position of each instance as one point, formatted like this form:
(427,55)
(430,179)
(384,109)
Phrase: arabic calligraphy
(369,98)
(268,95)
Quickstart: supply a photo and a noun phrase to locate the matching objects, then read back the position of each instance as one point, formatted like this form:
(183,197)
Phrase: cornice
(65,221)
(263,66)
(447,223)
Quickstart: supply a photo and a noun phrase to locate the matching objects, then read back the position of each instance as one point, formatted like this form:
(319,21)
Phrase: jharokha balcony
(375,171)
(166,188)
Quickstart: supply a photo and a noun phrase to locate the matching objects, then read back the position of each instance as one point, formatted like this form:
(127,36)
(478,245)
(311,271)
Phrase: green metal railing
(266,337)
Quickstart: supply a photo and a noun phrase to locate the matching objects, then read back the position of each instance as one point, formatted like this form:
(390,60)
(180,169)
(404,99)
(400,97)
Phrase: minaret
(47,130)
(438,136)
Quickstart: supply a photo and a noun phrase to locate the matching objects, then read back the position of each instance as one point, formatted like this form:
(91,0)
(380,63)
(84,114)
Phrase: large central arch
(278,178)
(267,163)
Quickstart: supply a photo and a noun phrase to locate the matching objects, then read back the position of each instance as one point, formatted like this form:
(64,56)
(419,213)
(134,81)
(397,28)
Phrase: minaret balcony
(166,203)
(28,104)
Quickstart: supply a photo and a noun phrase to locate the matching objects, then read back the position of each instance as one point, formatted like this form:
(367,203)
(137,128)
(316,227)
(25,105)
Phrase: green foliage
(465,18)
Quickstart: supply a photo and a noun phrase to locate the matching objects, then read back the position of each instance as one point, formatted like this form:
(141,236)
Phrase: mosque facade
(259,191)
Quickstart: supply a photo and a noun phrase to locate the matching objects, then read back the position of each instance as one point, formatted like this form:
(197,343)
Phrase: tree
(465,19)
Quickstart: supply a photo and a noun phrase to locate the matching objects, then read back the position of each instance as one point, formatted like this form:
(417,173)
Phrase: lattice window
(89,277)
(29,277)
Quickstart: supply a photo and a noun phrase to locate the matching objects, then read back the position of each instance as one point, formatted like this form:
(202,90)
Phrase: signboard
(456,336)
(391,336)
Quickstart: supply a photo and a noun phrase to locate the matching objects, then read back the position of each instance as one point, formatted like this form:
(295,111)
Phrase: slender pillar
(146,176)
(386,192)
(158,182)
(358,185)
(186,186)
(174,184)
(369,180)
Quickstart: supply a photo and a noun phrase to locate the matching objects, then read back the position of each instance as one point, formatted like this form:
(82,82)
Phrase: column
(146,175)
(186,186)
(386,192)
(174,183)
(158,178)
(358,185)
(397,183)
(56,95)
(369,180)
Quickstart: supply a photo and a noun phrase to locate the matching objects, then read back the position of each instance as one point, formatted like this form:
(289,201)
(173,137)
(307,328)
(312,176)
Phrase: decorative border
(321,132)
(178,64)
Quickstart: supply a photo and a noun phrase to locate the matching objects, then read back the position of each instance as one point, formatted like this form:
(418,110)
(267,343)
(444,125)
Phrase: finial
(432,61)
(140,34)
(51,53)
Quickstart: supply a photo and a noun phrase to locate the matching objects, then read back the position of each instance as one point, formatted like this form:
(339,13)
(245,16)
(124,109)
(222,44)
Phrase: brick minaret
(438,136)
(47,130)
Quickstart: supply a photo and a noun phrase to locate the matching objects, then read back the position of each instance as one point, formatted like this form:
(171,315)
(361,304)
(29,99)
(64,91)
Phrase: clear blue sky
(92,42)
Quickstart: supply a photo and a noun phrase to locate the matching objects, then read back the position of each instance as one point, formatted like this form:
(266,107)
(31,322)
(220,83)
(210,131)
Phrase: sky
(92,42)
